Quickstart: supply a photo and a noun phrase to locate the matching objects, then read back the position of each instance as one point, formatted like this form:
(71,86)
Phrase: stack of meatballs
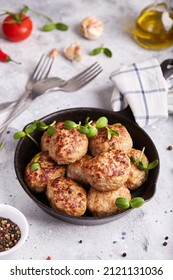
(79,174)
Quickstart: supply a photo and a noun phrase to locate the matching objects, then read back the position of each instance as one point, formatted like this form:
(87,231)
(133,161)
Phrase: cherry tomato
(17,30)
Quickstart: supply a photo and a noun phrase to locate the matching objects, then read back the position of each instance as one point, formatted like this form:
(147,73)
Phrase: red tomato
(17,31)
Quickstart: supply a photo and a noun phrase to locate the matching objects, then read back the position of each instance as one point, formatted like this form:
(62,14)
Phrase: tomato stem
(40,14)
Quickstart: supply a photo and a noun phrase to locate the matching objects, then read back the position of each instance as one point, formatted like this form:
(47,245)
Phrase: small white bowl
(12,213)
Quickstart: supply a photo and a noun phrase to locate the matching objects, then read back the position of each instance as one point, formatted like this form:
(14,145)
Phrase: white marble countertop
(142,232)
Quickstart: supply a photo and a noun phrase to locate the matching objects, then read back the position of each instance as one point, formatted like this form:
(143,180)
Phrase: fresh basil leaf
(96,51)
(144,164)
(83,129)
(114,132)
(50,130)
(61,26)
(34,166)
(19,134)
(92,131)
(70,124)
(122,202)
(107,52)
(136,202)
(101,122)
(36,159)
(49,27)
(41,125)
(153,164)
(30,128)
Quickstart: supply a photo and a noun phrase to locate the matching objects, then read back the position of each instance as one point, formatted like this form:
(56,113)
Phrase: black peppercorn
(169,148)
(124,255)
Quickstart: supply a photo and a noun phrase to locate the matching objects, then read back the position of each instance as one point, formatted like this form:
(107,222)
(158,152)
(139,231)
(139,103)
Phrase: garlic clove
(92,28)
(74,52)
(53,53)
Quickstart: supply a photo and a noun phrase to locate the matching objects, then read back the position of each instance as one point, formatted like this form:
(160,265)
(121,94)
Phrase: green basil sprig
(124,203)
(142,165)
(35,125)
(35,165)
(53,25)
(101,49)
(89,129)
(49,26)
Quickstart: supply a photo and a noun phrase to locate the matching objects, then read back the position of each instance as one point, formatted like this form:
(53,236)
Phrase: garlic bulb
(91,28)
(73,52)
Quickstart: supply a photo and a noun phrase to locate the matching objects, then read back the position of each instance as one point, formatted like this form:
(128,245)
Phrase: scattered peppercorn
(10,234)
(80,241)
(166,238)
(124,255)
(169,148)
(165,243)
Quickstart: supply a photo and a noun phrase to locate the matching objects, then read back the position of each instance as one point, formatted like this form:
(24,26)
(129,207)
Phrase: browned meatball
(67,146)
(45,139)
(67,196)
(37,179)
(100,143)
(76,171)
(103,203)
(108,171)
(136,177)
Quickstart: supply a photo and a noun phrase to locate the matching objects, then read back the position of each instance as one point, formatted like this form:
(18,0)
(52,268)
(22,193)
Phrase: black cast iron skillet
(26,149)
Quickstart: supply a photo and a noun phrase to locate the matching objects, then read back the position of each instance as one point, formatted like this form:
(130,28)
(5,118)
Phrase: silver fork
(54,84)
(75,83)
(41,71)
(7,105)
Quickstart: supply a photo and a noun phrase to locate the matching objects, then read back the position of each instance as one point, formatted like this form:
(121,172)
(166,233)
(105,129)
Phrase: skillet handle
(127,113)
(167,68)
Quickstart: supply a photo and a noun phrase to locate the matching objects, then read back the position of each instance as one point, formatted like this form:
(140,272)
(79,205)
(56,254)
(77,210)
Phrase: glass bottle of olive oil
(154,26)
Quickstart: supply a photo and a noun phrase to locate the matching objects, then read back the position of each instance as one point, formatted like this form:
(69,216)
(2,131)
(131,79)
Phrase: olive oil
(154,28)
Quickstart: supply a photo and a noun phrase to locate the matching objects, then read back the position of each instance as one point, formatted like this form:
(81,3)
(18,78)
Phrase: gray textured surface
(141,233)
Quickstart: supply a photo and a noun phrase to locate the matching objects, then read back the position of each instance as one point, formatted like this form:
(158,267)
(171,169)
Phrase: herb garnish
(35,125)
(46,27)
(89,129)
(101,49)
(35,165)
(142,165)
(53,25)
(124,203)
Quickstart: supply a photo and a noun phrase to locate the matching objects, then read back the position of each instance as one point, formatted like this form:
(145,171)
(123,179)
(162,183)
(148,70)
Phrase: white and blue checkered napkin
(143,87)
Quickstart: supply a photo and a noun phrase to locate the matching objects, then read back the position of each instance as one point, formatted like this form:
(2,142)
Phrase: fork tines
(88,74)
(43,67)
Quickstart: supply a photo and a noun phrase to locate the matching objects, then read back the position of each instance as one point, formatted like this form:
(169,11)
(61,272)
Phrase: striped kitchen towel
(143,87)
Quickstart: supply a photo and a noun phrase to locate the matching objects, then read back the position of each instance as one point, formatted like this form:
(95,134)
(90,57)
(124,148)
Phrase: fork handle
(6,123)
(16,110)
(7,105)
(13,115)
